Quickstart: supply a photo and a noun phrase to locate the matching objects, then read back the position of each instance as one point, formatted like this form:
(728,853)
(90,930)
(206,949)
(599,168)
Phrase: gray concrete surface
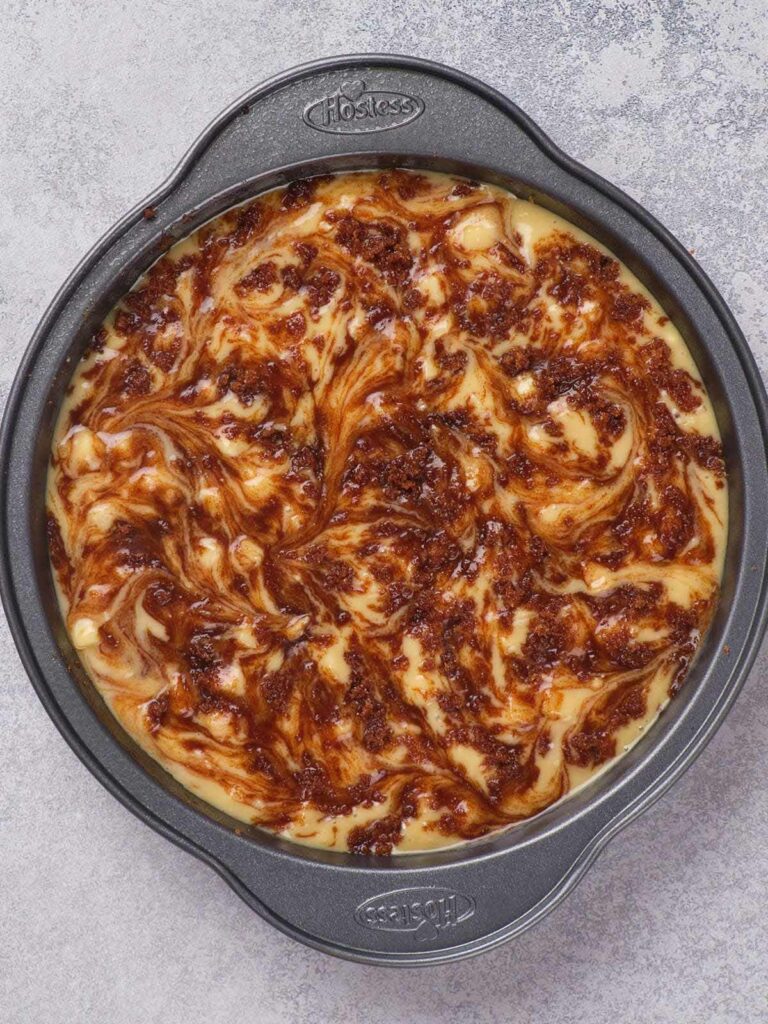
(102,921)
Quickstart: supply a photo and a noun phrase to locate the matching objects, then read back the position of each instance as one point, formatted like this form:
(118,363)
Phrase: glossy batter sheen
(385,510)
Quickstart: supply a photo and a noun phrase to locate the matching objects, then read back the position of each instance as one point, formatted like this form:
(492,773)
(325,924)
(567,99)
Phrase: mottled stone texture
(102,920)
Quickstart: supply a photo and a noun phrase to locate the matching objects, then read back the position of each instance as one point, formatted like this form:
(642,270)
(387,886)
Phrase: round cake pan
(350,113)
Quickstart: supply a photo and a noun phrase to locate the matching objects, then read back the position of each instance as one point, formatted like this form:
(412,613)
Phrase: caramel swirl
(386,509)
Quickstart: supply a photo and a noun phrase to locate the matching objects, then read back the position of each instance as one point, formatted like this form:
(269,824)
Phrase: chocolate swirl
(386,509)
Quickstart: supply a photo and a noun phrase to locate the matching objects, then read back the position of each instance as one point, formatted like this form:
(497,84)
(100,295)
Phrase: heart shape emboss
(353,90)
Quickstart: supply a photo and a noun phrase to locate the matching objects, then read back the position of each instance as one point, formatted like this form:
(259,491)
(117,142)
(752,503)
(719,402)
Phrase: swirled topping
(386,509)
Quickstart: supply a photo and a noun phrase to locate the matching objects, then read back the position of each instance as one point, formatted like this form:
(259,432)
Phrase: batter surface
(386,509)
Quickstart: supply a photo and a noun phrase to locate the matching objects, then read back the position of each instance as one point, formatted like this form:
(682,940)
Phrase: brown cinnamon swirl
(386,509)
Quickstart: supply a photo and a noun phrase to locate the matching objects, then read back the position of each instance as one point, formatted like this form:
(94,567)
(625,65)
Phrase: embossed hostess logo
(354,110)
(424,912)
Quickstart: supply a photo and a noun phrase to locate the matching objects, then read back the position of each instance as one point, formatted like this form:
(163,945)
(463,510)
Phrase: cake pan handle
(414,909)
(354,112)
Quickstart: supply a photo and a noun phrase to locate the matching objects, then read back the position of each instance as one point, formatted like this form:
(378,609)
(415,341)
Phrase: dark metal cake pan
(352,113)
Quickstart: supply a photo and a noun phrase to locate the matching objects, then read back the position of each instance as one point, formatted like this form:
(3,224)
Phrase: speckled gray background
(102,921)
